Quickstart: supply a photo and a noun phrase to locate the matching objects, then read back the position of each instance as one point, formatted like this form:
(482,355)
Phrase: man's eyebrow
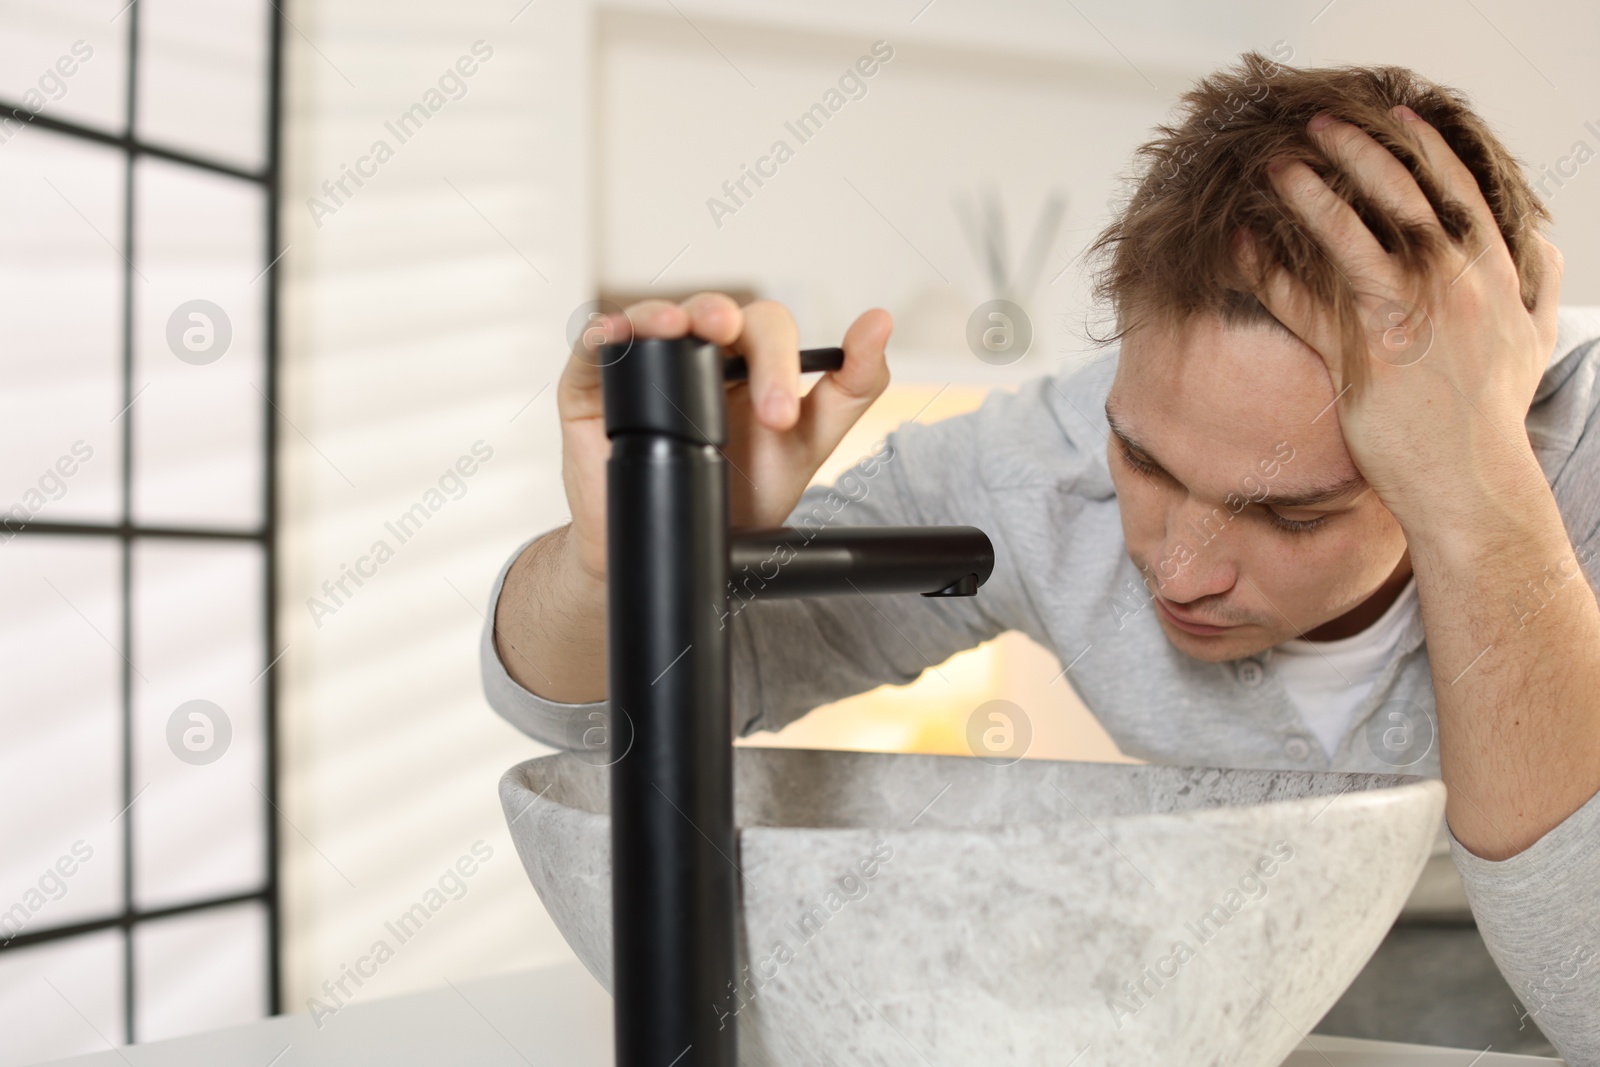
(1131,442)
(1296,498)
(1322,494)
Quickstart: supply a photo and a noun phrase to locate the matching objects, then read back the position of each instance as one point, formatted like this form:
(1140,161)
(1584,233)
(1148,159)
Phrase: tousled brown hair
(1169,254)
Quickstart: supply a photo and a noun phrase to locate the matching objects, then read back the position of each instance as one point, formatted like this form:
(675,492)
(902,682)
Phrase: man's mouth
(1184,622)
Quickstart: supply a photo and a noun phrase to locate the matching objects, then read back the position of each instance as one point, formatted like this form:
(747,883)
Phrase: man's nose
(1197,557)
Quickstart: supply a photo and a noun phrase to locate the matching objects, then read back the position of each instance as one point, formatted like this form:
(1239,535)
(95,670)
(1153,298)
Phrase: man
(1329,505)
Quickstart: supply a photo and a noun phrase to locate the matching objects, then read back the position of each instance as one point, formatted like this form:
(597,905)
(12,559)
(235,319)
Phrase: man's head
(1235,412)
(1239,502)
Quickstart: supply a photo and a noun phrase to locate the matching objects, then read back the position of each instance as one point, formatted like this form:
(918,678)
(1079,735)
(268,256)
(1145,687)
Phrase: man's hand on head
(1434,416)
(1451,361)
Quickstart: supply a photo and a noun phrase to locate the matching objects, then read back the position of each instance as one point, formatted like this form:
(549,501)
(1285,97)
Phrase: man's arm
(788,656)
(549,624)
(1513,633)
(1513,637)
(1440,434)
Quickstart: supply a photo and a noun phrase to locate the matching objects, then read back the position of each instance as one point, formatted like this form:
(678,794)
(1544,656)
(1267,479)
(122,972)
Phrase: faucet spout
(836,561)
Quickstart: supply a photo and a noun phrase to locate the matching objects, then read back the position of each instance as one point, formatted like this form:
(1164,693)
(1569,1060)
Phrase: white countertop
(556,1016)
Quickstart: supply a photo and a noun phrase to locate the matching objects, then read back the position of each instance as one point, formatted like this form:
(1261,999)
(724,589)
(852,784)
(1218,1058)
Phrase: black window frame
(127,533)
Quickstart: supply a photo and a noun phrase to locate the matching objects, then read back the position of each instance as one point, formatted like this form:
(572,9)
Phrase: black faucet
(670,553)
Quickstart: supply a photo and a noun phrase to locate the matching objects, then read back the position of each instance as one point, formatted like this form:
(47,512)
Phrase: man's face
(1238,421)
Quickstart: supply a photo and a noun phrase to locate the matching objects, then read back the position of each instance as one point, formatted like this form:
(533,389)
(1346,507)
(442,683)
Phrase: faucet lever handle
(737,368)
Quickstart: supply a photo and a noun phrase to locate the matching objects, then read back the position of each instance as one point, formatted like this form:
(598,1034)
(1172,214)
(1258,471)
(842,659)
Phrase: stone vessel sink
(944,910)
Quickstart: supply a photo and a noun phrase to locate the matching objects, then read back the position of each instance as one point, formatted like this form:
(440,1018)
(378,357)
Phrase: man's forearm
(550,624)
(1513,635)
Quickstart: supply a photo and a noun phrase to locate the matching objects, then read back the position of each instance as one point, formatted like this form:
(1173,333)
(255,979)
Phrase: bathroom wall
(426,314)
(423,316)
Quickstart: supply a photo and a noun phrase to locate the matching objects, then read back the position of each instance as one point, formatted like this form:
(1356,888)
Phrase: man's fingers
(1457,181)
(578,391)
(1277,290)
(1331,224)
(770,343)
(648,318)
(1547,297)
(658,318)
(1291,304)
(837,400)
(714,317)
(1380,176)
(766,335)
(865,373)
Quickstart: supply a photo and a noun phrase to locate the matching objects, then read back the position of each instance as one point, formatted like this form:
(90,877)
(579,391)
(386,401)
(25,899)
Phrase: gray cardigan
(1030,469)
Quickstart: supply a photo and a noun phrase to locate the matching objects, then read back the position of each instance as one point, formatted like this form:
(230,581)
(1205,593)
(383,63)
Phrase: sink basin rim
(1391,789)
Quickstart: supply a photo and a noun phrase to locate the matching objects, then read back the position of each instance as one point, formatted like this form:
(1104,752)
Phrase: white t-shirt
(1328,680)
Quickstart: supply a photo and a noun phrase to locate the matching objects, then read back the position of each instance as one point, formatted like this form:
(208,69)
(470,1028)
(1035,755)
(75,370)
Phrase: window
(139,161)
